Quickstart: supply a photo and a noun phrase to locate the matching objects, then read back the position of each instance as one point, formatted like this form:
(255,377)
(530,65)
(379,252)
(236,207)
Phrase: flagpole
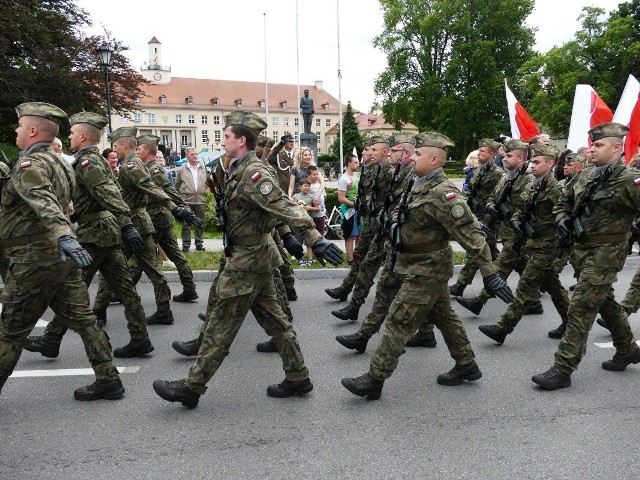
(266,84)
(298,74)
(339,90)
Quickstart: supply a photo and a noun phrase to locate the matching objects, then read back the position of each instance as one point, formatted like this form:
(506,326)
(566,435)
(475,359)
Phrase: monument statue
(306,107)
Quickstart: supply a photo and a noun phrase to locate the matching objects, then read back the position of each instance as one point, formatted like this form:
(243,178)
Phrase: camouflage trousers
(593,294)
(148,261)
(419,299)
(112,265)
(198,210)
(28,291)
(367,272)
(386,290)
(236,293)
(631,301)
(4,264)
(359,254)
(504,265)
(538,273)
(286,270)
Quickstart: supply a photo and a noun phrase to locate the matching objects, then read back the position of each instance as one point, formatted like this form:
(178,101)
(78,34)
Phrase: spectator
(471,163)
(320,217)
(57,147)
(160,161)
(347,193)
(303,159)
(191,184)
(305,199)
(111,157)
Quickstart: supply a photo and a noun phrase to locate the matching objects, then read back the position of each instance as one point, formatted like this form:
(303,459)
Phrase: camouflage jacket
(436,213)
(513,202)
(98,204)
(482,183)
(160,215)
(543,221)
(35,200)
(612,210)
(282,166)
(382,173)
(254,205)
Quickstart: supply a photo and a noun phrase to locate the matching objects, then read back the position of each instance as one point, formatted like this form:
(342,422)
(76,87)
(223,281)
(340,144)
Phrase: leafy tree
(352,137)
(447,60)
(44,56)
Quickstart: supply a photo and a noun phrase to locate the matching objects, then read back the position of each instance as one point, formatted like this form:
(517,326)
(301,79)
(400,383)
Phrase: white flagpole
(298,75)
(266,84)
(339,90)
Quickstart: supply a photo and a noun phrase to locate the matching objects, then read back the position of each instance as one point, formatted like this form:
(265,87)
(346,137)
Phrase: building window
(179,119)
(189,100)
(163,99)
(136,100)
(327,122)
(286,132)
(216,119)
(275,135)
(238,102)
(204,119)
(192,119)
(205,136)
(284,104)
(317,122)
(184,140)
(124,118)
(296,121)
(325,105)
(217,135)
(318,134)
(262,103)
(165,139)
(151,117)
(285,121)
(137,117)
(296,136)
(214,101)
(274,121)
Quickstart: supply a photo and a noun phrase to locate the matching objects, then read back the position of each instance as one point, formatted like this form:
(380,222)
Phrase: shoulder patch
(256,176)
(156,170)
(131,165)
(457,211)
(85,164)
(266,188)
(636,181)
(25,164)
(450,195)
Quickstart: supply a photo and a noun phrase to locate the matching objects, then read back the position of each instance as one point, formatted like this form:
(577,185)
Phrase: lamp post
(104,52)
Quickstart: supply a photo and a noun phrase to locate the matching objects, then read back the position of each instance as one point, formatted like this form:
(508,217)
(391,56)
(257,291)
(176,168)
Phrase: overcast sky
(211,39)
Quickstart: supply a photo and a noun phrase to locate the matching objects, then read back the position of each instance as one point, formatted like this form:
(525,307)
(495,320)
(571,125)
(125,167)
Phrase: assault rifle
(360,197)
(388,200)
(502,210)
(524,230)
(401,219)
(371,203)
(218,195)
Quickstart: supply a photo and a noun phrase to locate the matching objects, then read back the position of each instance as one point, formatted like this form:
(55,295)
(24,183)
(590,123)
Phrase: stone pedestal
(310,140)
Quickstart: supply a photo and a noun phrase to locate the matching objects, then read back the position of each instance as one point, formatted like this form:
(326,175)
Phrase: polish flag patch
(637,181)
(450,195)
(85,164)
(256,176)
(25,164)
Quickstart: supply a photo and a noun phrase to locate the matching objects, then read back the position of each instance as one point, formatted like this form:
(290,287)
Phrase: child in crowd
(305,199)
(320,217)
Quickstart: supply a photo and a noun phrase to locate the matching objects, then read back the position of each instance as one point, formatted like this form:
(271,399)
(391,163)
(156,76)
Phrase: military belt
(87,217)
(26,239)
(250,240)
(424,247)
(545,233)
(610,238)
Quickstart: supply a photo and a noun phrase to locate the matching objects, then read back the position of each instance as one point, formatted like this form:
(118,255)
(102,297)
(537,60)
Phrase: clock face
(157,76)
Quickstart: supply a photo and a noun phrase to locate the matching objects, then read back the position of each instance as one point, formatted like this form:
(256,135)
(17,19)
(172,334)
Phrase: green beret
(246,119)
(575,157)
(270,142)
(379,139)
(91,118)
(489,143)
(541,149)
(262,140)
(123,132)
(41,109)
(148,140)
(400,137)
(610,129)
(366,142)
(433,139)
(512,145)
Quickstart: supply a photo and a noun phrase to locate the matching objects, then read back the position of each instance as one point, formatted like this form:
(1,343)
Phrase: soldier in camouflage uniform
(374,182)
(535,229)
(5,172)
(504,201)
(435,213)
(44,256)
(482,183)
(103,225)
(596,211)
(163,222)
(254,204)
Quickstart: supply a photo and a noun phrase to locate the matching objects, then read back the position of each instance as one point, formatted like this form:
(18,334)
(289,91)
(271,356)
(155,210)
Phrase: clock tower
(154,71)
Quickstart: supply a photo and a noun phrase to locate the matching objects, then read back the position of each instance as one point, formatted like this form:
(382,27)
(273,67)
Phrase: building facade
(370,124)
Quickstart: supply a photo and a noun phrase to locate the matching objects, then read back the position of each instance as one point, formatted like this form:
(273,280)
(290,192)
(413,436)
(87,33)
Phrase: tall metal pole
(339,90)
(106,75)
(298,77)
(266,84)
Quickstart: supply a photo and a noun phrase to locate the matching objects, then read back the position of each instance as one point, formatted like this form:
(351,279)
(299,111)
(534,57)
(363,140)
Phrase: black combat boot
(472,304)
(202,317)
(40,345)
(419,339)
(620,361)
(101,316)
(292,295)
(338,293)
(186,296)
(267,347)
(534,308)
(161,317)
(107,388)
(601,321)
(134,349)
(493,332)
(346,313)
(459,374)
(552,379)
(176,391)
(289,388)
(354,341)
(364,386)
(456,290)
(188,349)
(558,332)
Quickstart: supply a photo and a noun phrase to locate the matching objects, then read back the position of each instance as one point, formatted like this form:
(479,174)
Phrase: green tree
(44,56)
(351,135)
(447,60)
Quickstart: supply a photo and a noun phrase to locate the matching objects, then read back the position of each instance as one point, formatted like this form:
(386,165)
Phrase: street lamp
(104,52)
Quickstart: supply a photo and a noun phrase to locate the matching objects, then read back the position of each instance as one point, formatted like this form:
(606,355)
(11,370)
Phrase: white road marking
(42,323)
(610,344)
(65,372)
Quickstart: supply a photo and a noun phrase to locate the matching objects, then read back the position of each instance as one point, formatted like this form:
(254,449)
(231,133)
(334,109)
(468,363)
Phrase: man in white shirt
(57,147)
(191,184)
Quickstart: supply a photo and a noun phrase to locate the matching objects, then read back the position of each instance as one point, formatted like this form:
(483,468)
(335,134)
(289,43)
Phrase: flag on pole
(628,113)
(522,126)
(588,111)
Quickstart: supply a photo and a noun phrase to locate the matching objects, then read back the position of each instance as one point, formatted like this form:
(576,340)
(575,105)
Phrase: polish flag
(522,127)
(628,113)
(588,111)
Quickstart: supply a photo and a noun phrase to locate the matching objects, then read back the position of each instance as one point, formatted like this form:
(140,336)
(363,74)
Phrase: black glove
(492,210)
(186,216)
(515,226)
(293,246)
(564,228)
(498,287)
(325,250)
(486,230)
(68,247)
(635,228)
(74,217)
(131,238)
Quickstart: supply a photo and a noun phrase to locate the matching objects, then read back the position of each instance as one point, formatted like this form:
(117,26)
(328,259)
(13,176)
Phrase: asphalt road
(500,427)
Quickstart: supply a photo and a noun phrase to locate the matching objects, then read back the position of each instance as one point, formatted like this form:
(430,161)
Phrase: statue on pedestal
(306,107)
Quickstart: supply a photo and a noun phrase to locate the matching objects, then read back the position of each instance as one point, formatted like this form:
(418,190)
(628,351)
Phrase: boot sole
(139,353)
(290,393)
(374,395)
(115,395)
(550,387)
(43,353)
(189,403)
(184,300)
(499,341)
(337,297)
(351,347)
(344,317)
(266,350)
(616,369)
(181,351)
(425,344)
(469,378)
(475,311)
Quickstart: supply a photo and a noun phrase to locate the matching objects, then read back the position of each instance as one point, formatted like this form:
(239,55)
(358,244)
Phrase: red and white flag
(628,113)
(522,126)
(588,111)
